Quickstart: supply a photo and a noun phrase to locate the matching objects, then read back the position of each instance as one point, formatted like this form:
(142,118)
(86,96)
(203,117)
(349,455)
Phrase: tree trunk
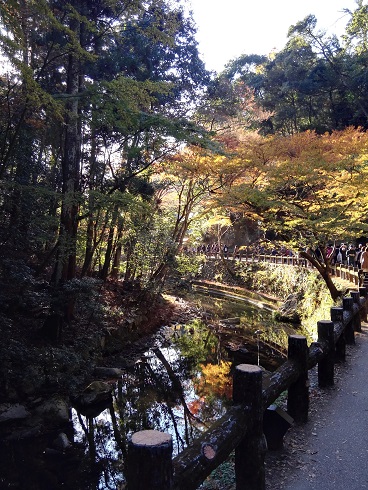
(65,267)
(66,261)
(130,267)
(87,264)
(324,270)
(117,255)
(88,256)
(109,248)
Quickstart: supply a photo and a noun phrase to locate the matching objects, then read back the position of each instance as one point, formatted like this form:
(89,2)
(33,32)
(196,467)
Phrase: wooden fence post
(350,273)
(150,461)
(337,315)
(250,453)
(356,300)
(356,276)
(347,304)
(364,293)
(327,364)
(298,393)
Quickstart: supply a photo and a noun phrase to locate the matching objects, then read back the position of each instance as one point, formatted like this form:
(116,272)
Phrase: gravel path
(331,450)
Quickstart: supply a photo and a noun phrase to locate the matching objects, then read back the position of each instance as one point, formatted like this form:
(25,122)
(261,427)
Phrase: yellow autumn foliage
(215,380)
(303,185)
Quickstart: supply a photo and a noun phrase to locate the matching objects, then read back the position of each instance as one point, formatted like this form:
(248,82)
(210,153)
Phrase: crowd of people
(349,255)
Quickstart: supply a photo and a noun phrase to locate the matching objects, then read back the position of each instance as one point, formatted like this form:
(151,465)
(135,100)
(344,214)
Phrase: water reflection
(164,392)
(180,388)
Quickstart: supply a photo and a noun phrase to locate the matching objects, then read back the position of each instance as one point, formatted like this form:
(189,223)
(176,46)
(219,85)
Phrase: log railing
(347,272)
(150,463)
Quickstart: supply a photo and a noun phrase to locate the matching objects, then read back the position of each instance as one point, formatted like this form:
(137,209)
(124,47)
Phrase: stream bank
(41,380)
(46,433)
(34,369)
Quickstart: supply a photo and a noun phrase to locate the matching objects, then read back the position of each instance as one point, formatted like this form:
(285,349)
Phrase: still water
(180,386)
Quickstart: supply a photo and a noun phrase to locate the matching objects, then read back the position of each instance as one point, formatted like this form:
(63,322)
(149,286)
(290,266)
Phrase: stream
(180,385)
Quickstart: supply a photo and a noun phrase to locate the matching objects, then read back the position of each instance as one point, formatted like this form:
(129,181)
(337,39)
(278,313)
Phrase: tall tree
(97,94)
(315,82)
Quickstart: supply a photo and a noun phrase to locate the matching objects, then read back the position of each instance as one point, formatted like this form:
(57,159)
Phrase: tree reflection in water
(180,389)
(162,392)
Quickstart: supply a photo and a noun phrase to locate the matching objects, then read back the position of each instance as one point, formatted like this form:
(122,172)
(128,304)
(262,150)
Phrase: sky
(230,28)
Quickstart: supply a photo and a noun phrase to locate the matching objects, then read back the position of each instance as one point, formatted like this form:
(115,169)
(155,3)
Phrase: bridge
(346,272)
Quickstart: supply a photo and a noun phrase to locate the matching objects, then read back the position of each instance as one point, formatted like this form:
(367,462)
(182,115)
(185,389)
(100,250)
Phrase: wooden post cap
(151,438)
(248,368)
(337,314)
(149,462)
(325,322)
(247,384)
(297,336)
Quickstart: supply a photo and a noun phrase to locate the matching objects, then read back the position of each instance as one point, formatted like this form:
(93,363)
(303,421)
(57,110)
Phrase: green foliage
(84,292)
(222,478)
(277,280)
(92,99)
(315,82)
(149,237)
(281,281)
(189,266)
(21,292)
(199,344)
(356,37)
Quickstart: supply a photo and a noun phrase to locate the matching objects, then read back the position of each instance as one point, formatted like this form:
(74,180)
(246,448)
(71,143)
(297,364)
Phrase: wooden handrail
(240,428)
(346,272)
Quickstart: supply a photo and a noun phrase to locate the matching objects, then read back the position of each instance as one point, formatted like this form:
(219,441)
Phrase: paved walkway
(331,450)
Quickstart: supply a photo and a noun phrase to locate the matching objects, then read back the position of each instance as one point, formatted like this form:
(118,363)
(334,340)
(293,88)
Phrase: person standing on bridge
(357,256)
(351,255)
(329,251)
(364,260)
(343,251)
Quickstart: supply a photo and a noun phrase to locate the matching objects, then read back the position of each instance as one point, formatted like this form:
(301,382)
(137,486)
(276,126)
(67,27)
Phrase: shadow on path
(331,450)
